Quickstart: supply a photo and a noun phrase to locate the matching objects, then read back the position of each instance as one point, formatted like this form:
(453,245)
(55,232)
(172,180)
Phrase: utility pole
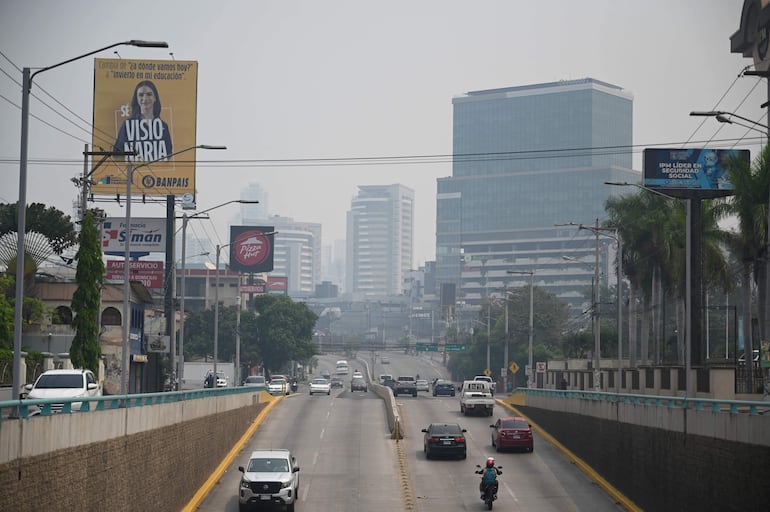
(597,318)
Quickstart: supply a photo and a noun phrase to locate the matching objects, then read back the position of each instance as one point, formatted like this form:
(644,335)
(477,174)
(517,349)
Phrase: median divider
(391,409)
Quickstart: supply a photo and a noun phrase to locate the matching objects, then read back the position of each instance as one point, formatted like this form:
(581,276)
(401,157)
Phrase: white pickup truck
(475,398)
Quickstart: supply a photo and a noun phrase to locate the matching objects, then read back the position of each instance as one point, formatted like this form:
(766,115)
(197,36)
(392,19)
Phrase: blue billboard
(693,169)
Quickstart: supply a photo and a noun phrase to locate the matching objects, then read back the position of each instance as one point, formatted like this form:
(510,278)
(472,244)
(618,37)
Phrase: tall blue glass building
(529,168)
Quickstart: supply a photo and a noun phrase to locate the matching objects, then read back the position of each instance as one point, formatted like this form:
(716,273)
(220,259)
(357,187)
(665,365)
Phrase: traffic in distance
(348,460)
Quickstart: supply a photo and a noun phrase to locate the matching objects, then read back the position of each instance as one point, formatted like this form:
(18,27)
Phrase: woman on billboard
(145,132)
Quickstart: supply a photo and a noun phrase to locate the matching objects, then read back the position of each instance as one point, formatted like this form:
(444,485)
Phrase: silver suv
(271,476)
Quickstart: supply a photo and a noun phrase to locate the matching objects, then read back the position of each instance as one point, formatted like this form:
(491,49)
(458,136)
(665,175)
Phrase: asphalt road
(349,462)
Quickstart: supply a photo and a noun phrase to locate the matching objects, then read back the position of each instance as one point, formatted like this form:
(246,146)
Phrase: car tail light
(434,440)
(460,439)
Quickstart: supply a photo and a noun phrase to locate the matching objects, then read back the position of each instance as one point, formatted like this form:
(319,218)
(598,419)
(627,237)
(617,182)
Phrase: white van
(342,367)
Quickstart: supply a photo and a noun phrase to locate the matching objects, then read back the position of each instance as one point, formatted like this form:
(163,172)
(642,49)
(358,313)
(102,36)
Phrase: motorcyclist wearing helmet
(489,476)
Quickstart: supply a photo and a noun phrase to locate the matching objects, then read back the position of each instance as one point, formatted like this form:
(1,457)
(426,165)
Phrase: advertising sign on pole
(251,250)
(148,234)
(703,171)
(149,273)
(147,106)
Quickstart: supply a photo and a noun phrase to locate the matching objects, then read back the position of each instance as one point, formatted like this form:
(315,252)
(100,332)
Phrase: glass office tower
(529,168)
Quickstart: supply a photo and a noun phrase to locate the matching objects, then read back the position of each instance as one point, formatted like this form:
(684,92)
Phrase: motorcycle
(294,386)
(490,490)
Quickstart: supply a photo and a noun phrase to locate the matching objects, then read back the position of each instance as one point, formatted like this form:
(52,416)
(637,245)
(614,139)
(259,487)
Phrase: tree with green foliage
(284,331)
(6,312)
(86,350)
(549,321)
(276,331)
(48,221)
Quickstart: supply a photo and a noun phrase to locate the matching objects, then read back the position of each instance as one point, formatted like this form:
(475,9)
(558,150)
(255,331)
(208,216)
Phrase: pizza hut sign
(251,249)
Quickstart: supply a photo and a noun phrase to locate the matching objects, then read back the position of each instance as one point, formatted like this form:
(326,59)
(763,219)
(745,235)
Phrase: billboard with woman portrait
(147,107)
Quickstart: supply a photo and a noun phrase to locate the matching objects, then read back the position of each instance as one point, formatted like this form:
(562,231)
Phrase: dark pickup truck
(405,386)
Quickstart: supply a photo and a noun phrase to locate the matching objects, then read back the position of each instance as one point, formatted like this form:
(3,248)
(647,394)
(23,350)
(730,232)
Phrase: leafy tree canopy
(48,221)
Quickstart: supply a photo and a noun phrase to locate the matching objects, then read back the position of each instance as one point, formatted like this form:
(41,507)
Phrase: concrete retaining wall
(664,470)
(143,458)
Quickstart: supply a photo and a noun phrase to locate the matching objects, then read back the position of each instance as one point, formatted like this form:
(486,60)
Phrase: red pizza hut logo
(251,248)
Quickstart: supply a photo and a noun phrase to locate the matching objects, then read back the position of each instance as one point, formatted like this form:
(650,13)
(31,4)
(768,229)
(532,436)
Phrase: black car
(443,388)
(336,382)
(444,439)
(391,383)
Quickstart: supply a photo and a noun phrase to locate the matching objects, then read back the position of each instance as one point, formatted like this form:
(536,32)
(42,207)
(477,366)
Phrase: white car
(270,477)
(255,381)
(422,385)
(320,385)
(64,384)
(278,386)
(221,381)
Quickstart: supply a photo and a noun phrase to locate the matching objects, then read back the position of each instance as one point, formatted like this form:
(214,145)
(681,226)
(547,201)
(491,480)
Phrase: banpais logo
(251,248)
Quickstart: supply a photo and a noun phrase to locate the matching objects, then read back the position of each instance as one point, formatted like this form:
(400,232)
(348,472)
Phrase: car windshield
(255,380)
(278,380)
(319,381)
(513,424)
(268,466)
(59,381)
(438,430)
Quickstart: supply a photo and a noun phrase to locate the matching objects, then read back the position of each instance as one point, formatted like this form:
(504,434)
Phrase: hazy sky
(285,80)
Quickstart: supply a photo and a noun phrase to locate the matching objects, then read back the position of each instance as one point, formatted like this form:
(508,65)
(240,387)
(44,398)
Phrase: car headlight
(245,484)
(284,485)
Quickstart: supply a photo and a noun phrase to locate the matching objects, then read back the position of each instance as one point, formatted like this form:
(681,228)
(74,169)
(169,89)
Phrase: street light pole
(489,322)
(27,78)
(130,169)
(507,342)
(182,282)
(216,307)
(237,370)
(597,319)
(530,361)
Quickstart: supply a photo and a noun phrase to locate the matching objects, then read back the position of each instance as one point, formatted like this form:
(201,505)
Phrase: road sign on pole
(426,347)
(514,367)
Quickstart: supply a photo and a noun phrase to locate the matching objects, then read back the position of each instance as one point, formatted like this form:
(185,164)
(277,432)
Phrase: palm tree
(653,231)
(749,243)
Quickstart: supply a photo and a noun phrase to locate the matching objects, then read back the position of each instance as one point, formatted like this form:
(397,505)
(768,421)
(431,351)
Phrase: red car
(514,432)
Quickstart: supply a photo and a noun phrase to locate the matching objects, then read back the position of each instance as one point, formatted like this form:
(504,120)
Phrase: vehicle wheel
(243,507)
(328,393)
(290,508)
(414,394)
(489,504)
(464,455)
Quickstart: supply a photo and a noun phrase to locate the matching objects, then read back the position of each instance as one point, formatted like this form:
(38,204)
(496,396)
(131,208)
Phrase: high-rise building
(297,245)
(380,227)
(296,254)
(254,192)
(529,168)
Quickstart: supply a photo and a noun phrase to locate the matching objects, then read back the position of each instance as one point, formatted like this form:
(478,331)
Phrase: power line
(413,159)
